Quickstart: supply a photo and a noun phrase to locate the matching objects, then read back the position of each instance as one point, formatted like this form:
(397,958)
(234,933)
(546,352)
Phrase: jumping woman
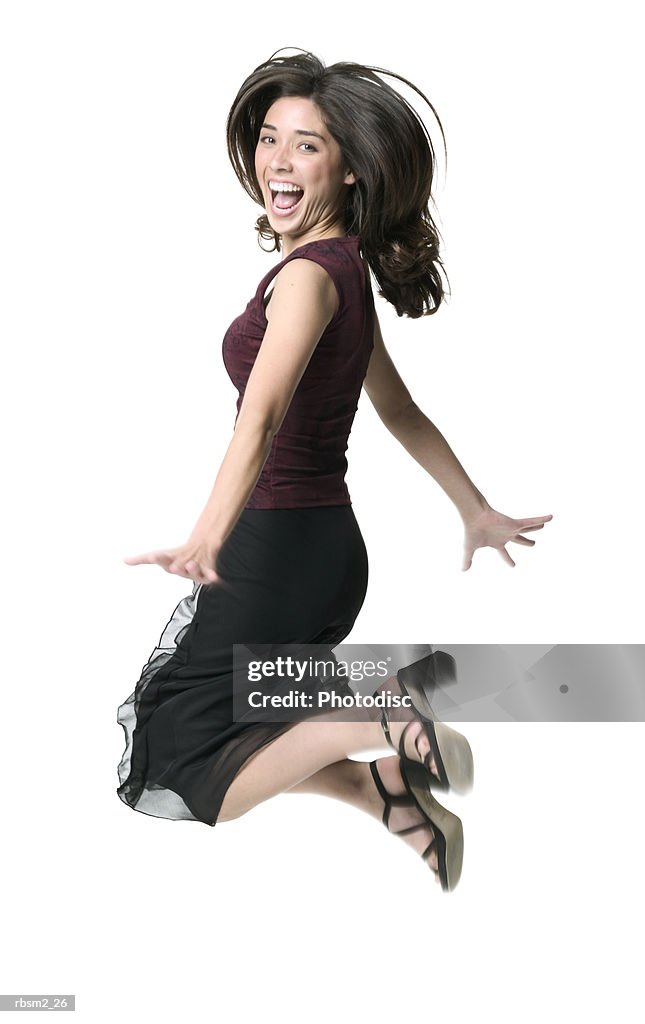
(343,167)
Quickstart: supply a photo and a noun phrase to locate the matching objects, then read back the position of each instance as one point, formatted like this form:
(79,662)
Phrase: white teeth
(282,186)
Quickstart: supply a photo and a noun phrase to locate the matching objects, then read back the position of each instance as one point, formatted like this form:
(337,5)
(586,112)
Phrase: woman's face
(294,146)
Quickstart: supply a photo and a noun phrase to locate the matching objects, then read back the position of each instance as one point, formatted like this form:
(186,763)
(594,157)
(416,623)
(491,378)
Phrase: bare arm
(484,526)
(412,428)
(303,301)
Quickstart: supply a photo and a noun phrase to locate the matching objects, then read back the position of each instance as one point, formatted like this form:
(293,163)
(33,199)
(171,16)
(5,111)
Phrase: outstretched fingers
(468,558)
(149,558)
(505,555)
(174,561)
(527,526)
(535,523)
(490,528)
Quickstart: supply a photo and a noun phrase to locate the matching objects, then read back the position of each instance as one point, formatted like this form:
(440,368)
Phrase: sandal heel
(450,749)
(422,677)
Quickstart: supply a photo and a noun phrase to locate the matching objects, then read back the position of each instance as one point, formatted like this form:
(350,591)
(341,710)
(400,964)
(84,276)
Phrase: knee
(224,816)
(230,810)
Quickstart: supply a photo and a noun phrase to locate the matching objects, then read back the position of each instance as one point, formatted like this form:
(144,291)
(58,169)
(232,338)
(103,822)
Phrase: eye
(265,138)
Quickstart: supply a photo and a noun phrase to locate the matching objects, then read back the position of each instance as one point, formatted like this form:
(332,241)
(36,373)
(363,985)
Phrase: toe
(418,747)
(415,742)
(423,744)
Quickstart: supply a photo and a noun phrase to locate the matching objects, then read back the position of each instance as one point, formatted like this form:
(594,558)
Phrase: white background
(127,248)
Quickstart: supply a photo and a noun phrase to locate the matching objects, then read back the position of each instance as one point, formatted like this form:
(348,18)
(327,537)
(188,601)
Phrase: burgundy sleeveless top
(306,465)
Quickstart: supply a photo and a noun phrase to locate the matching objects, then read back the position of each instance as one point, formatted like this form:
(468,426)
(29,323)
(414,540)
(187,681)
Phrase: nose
(280,159)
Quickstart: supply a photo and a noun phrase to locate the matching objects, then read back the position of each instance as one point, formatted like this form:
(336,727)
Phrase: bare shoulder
(302,304)
(303,285)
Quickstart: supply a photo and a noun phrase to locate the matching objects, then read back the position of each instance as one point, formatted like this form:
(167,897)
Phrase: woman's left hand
(194,560)
(488,528)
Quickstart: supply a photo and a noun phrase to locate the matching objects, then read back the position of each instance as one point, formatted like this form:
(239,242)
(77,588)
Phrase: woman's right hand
(488,528)
(194,560)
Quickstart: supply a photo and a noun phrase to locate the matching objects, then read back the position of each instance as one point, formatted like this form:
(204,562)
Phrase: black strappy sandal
(419,680)
(451,751)
(448,833)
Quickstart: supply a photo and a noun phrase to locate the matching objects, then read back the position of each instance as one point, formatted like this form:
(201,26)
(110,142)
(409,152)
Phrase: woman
(343,167)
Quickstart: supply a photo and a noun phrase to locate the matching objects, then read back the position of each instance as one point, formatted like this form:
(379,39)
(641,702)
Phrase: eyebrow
(299,131)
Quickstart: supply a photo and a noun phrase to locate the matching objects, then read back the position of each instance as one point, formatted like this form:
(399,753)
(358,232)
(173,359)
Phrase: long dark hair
(387,146)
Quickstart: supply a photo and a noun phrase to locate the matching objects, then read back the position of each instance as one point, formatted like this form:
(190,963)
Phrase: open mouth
(284,203)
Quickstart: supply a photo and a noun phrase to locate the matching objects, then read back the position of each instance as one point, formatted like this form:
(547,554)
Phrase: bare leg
(302,751)
(307,748)
(352,782)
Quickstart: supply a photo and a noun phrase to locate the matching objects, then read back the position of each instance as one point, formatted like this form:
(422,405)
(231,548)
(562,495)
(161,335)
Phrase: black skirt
(291,576)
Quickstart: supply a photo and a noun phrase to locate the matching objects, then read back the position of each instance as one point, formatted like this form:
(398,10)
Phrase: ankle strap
(385,725)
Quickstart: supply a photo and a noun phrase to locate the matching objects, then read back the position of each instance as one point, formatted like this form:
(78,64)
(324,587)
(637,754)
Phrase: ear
(350,178)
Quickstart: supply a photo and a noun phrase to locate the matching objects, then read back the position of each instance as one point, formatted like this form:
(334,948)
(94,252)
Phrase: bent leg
(304,751)
(299,753)
(352,782)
